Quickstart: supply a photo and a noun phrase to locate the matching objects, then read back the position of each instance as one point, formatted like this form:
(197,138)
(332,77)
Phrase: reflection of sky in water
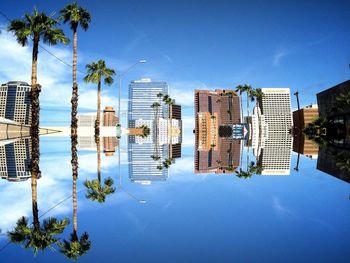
(196,217)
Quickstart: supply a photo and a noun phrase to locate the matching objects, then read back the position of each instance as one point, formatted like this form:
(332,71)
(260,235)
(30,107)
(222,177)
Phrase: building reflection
(151,155)
(217,120)
(15,159)
(333,105)
(301,118)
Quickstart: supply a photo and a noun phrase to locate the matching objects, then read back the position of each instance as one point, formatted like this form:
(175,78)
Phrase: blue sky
(303,45)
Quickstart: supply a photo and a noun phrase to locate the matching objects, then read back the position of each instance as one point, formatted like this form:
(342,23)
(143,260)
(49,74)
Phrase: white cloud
(183,91)
(278,56)
(279,207)
(54,76)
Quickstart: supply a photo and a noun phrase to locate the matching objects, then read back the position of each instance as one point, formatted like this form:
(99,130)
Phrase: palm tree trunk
(99,164)
(74,127)
(34,132)
(74,100)
(97,124)
(35,210)
(75,221)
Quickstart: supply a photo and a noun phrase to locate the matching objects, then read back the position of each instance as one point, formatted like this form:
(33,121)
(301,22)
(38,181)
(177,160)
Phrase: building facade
(15,103)
(275,155)
(147,153)
(301,118)
(15,160)
(217,114)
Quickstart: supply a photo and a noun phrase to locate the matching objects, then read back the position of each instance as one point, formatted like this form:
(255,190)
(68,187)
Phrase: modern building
(217,114)
(329,161)
(109,117)
(275,154)
(326,107)
(142,94)
(326,99)
(147,153)
(301,118)
(15,159)
(334,158)
(15,103)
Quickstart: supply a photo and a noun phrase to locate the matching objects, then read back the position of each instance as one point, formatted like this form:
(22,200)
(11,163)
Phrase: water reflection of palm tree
(252,169)
(95,191)
(75,247)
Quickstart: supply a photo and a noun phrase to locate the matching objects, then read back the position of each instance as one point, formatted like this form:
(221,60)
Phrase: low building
(301,118)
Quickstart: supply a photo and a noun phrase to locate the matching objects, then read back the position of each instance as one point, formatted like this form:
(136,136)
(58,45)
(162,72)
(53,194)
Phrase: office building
(329,161)
(15,159)
(326,99)
(217,116)
(339,115)
(165,134)
(15,103)
(275,153)
(142,94)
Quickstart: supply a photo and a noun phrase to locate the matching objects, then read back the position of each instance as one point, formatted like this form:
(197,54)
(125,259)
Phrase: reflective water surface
(218,216)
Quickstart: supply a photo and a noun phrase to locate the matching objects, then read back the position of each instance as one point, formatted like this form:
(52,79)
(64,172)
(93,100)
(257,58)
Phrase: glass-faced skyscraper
(142,168)
(15,103)
(142,94)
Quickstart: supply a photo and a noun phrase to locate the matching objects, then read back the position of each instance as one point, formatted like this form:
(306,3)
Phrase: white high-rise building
(275,155)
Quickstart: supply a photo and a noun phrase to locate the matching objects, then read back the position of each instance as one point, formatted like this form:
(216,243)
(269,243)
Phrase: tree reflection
(96,192)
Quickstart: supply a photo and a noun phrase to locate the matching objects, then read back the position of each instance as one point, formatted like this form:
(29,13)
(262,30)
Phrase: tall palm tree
(95,72)
(75,246)
(37,237)
(36,27)
(76,16)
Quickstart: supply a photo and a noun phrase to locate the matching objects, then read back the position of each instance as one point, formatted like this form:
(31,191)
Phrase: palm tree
(36,27)
(76,246)
(243,174)
(76,16)
(98,193)
(341,102)
(37,237)
(95,72)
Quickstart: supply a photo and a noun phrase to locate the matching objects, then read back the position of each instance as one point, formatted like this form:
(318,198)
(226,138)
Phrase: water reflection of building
(15,159)
(108,144)
(275,155)
(217,117)
(146,154)
(301,118)
(329,161)
(334,158)
(15,103)
(108,118)
(326,100)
